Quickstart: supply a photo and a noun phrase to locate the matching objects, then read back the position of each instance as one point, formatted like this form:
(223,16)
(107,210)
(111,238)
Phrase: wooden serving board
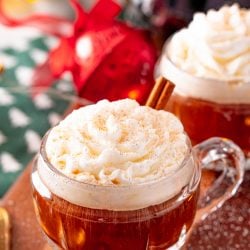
(228,228)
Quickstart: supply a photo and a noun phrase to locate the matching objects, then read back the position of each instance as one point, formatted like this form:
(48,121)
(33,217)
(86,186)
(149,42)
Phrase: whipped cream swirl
(215,45)
(117,143)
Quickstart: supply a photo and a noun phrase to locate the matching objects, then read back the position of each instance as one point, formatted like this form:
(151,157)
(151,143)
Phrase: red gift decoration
(107,58)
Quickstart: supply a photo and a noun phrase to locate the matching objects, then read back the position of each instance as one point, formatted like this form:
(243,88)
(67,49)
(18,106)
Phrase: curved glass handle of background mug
(223,162)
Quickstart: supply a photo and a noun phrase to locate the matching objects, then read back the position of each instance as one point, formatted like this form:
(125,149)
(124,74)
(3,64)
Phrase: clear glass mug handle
(224,163)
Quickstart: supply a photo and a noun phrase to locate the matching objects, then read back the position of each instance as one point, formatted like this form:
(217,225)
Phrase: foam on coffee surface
(215,47)
(119,145)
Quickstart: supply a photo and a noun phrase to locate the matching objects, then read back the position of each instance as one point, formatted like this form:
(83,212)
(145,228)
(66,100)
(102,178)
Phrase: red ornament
(107,58)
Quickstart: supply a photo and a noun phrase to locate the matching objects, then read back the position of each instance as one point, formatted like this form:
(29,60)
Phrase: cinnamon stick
(160,94)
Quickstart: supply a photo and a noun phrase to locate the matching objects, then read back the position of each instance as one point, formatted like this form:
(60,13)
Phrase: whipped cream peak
(117,143)
(215,45)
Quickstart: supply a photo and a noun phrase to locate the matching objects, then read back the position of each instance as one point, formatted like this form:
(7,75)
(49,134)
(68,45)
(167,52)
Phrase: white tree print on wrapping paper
(6,98)
(9,163)
(18,118)
(33,141)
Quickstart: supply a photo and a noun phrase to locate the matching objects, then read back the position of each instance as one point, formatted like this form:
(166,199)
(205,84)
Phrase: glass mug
(77,215)
(208,107)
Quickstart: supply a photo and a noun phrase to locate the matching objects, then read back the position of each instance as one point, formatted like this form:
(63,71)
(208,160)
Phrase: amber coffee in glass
(116,175)
(208,63)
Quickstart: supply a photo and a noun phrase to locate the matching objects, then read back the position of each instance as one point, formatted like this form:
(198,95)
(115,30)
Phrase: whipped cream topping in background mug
(215,45)
(209,59)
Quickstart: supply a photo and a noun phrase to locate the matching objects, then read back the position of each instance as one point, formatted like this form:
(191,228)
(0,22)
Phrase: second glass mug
(76,215)
(208,107)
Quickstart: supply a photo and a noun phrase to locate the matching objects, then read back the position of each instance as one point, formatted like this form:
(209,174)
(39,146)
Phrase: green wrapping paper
(24,118)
